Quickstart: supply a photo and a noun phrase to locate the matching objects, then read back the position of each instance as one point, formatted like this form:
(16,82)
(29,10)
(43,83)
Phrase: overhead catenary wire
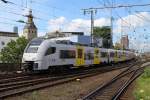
(49,6)
(25,7)
(142,17)
(120,6)
(43,19)
(101,2)
(38,18)
(7,23)
(20,25)
(131,25)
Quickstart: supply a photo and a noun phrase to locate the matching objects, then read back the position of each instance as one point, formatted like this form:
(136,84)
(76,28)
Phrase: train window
(32,49)
(96,52)
(103,54)
(67,54)
(80,53)
(3,43)
(119,54)
(50,50)
(116,54)
(124,54)
(85,56)
(90,56)
(112,54)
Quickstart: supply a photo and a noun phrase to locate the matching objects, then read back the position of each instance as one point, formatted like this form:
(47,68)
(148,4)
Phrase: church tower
(30,30)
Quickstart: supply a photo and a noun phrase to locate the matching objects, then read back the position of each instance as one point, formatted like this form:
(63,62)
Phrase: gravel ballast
(69,91)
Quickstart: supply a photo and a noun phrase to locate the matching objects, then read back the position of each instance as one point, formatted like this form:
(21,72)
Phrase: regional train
(49,54)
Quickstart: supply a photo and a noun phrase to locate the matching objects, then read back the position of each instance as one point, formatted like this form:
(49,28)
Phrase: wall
(4,40)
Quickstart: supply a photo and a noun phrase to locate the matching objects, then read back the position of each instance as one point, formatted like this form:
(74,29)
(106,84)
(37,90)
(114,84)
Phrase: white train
(48,54)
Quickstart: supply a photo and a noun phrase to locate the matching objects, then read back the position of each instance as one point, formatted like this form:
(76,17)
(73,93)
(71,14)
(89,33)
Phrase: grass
(142,90)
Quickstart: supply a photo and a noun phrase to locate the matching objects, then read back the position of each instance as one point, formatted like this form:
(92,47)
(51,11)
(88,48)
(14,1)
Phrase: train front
(31,58)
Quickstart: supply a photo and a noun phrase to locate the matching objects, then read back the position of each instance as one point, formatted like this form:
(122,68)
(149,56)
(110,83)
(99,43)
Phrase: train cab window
(50,50)
(34,45)
(32,49)
(36,42)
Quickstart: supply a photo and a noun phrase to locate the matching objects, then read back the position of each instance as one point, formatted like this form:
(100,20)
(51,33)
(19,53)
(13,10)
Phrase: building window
(67,54)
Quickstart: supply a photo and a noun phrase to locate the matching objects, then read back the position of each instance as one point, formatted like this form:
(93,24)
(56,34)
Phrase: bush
(146,73)
(142,91)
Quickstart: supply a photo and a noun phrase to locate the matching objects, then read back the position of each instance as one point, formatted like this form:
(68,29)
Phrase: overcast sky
(66,15)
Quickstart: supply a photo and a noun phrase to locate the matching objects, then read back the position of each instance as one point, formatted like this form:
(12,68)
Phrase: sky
(67,15)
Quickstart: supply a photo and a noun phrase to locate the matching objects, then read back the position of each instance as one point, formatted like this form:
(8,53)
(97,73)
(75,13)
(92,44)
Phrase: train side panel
(50,55)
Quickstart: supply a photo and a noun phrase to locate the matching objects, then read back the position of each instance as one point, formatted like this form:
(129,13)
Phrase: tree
(118,46)
(13,51)
(105,33)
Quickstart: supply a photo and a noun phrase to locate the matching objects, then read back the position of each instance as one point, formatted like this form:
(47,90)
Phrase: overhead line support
(91,11)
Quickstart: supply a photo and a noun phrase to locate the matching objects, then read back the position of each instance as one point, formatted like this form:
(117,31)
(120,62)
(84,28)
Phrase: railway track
(113,89)
(5,78)
(21,84)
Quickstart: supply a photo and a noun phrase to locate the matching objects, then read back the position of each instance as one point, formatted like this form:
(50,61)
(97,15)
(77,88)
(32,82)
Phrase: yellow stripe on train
(96,56)
(79,56)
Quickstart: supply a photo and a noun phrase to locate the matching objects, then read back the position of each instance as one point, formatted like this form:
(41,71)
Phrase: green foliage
(143,87)
(105,33)
(13,51)
(146,73)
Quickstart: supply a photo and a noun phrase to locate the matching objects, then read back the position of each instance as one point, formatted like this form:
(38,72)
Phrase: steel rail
(101,88)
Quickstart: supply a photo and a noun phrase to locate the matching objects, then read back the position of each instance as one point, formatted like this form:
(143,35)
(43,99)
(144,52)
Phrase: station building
(6,37)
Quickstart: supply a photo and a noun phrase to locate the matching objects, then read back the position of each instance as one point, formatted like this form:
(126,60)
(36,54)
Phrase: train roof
(66,41)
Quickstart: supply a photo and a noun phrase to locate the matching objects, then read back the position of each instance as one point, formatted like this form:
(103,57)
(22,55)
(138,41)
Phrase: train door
(116,57)
(79,56)
(96,56)
(124,56)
